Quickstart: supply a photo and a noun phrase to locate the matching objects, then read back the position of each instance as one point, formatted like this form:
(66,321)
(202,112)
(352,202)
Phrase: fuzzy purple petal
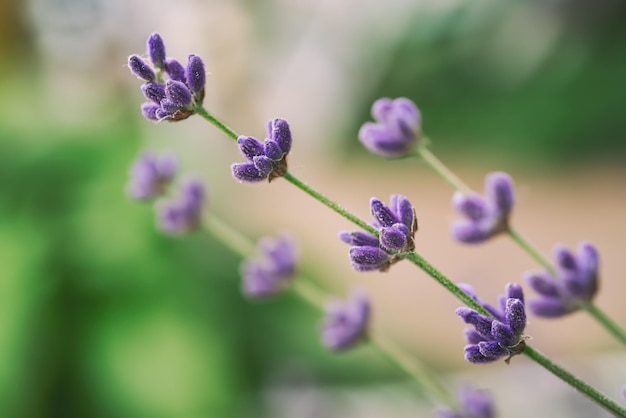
(178,93)
(148,111)
(394,238)
(175,70)
(156,50)
(542,283)
(272,150)
(548,307)
(368,258)
(469,232)
(250,147)
(499,188)
(471,205)
(153,91)
(280,132)
(359,239)
(195,74)
(140,68)
(515,315)
(247,172)
(382,213)
(492,349)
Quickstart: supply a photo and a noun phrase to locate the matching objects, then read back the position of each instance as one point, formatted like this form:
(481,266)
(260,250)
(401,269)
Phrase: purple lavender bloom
(267,160)
(195,75)
(396,226)
(140,68)
(178,97)
(150,175)
(487,216)
(497,336)
(397,128)
(273,270)
(182,214)
(573,286)
(346,322)
(473,403)
(156,50)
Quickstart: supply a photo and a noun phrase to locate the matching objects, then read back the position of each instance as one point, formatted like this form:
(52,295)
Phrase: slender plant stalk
(446,174)
(530,249)
(607,322)
(595,395)
(306,290)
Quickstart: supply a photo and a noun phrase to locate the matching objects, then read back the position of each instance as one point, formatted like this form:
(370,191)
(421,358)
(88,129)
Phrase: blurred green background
(102,316)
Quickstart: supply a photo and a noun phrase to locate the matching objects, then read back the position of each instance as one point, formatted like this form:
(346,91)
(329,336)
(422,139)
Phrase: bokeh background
(103,316)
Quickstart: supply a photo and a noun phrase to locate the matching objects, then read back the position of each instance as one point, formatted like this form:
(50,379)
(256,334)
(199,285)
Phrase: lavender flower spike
(396,226)
(574,284)
(397,128)
(485,217)
(150,175)
(346,322)
(473,403)
(183,214)
(273,270)
(497,336)
(266,160)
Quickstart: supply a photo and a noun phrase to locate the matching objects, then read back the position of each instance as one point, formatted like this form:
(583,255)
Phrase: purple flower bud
(279,132)
(473,403)
(182,214)
(485,217)
(273,270)
(346,322)
(250,147)
(153,91)
(394,238)
(156,50)
(272,150)
(397,128)
(247,172)
(140,68)
(574,284)
(177,93)
(195,74)
(150,175)
(369,258)
(382,213)
(169,107)
(162,114)
(359,239)
(175,70)
(263,164)
(498,336)
(148,110)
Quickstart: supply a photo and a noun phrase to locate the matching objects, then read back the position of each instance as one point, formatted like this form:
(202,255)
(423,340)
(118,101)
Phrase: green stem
(530,249)
(444,172)
(200,110)
(602,318)
(326,201)
(594,394)
(304,288)
(564,375)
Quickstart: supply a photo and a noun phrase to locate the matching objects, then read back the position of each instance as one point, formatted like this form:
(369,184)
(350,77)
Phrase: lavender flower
(574,284)
(499,335)
(474,403)
(267,160)
(397,128)
(177,98)
(183,214)
(273,270)
(150,175)
(487,216)
(346,322)
(396,226)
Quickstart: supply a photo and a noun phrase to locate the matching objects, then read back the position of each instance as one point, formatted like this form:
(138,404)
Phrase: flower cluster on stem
(497,336)
(273,270)
(346,322)
(176,98)
(573,285)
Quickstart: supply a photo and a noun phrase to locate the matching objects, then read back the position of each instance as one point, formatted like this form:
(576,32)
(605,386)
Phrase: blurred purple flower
(267,160)
(176,98)
(574,284)
(273,270)
(182,215)
(473,403)
(486,216)
(396,130)
(346,322)
(499,336)
(150,174)
(396,226)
